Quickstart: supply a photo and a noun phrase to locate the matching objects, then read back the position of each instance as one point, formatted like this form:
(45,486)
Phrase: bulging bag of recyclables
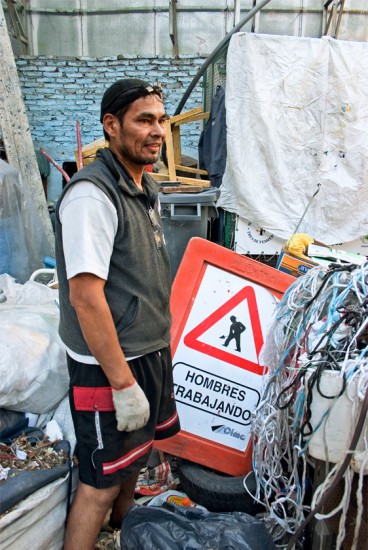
(181,528)
(33,370)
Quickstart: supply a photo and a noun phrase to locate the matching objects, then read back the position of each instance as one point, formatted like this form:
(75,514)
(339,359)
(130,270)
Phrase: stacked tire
(218,492)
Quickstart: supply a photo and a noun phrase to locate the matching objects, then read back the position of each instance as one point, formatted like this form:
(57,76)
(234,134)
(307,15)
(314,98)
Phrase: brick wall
(59,91)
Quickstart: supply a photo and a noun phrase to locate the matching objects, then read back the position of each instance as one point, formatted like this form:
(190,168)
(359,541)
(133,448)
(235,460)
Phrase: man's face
(140,135)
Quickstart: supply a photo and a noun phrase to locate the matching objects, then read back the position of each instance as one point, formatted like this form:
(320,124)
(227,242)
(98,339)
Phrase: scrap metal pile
(314,404)
(25,454)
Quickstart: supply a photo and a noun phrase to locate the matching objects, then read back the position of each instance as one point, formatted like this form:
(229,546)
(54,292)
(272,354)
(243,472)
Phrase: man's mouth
(154,145)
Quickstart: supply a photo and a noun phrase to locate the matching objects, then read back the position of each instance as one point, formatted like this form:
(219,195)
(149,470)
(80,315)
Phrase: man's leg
(86,516)
(237,341)
(123,501)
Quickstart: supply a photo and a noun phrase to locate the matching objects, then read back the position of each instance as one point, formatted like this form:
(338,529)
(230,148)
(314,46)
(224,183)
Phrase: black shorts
(107,456)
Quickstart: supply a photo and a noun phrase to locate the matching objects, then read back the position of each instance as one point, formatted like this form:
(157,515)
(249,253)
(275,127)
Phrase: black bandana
(123,92)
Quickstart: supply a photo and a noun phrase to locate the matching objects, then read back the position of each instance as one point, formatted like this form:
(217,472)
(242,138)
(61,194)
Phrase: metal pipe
(181,9)
(79,145)
(214,53)
(57,166)
(236,12)
(307,207)
(135,9)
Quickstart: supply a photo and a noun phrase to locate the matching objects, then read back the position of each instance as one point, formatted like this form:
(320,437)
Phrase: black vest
(138,284)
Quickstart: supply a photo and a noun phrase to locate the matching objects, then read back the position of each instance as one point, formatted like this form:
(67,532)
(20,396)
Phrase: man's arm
(87,296)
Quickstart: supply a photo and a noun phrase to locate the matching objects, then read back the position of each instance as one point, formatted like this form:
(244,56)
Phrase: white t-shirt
(89,227)
(90,223)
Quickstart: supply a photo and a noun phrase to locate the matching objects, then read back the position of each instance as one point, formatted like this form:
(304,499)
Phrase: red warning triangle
(191,339)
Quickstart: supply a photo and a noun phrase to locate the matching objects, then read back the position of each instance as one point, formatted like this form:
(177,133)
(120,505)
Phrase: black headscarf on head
(123,92)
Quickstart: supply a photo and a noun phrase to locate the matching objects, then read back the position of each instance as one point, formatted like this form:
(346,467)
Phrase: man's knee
(101,497)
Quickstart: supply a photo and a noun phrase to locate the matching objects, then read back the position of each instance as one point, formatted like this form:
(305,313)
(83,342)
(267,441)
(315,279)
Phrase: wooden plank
(181,189)
(89,151)
(191,170)
(180,179)
(184,116)
(94,145)
(16,133)
(193,118)
(176,144)
(158,176)
(193,181)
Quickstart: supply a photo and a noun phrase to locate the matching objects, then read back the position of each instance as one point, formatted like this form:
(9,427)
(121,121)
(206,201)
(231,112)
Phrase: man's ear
(110,124)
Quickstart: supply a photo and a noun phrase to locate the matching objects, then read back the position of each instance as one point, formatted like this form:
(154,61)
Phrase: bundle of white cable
(311,330)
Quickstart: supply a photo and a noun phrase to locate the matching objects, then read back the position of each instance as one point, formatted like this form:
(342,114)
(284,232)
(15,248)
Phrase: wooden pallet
(173,151)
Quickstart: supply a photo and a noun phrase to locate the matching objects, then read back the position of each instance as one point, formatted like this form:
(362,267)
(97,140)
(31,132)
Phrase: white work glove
(132,409)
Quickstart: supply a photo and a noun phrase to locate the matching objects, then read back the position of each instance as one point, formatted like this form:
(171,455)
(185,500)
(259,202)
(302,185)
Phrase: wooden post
(173,26)
(15,129)
(170,151)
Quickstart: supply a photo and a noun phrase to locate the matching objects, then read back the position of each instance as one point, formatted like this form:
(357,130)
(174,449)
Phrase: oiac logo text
(228,431)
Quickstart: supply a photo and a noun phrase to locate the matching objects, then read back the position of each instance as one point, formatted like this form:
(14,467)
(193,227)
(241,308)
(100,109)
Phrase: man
(114,284)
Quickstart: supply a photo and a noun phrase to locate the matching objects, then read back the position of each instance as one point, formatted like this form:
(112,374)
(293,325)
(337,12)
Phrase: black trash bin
(186,215)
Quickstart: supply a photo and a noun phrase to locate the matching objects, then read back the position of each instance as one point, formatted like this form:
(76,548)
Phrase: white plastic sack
(39,520)
(33,370)
(23,241)
(296,112)
(63,417)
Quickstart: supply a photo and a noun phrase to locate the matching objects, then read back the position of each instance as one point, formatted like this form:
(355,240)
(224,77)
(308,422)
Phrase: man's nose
(158,129)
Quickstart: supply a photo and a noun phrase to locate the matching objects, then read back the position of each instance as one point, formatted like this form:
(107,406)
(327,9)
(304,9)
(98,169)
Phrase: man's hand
(132,409)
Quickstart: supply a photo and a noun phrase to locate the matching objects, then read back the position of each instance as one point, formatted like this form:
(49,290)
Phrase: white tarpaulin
(297,116)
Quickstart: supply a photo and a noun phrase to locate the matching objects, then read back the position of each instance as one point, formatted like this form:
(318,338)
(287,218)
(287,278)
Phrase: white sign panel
(217,373)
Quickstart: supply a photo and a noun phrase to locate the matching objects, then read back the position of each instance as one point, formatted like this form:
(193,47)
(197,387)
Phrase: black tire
(217,492)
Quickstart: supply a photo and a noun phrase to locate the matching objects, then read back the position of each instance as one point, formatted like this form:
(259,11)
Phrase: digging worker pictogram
(236,328)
